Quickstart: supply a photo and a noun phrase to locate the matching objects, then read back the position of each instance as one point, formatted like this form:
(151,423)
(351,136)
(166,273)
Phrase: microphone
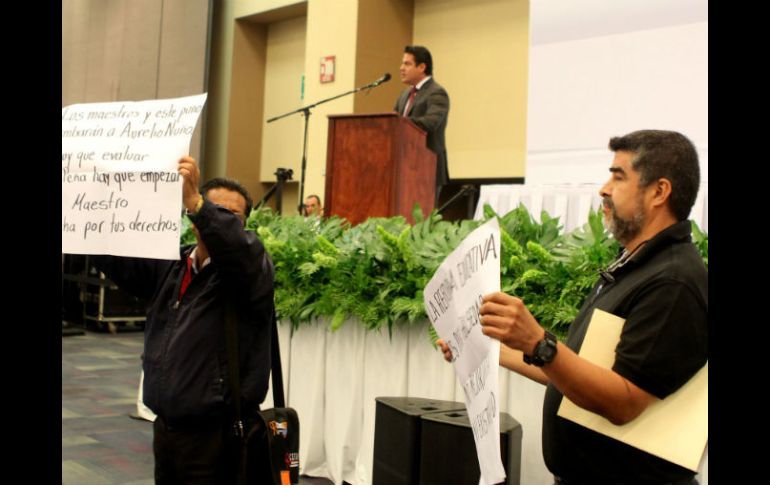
(385,78)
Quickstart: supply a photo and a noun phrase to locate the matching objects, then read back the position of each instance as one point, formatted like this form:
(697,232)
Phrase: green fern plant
(375,272)
(701,241)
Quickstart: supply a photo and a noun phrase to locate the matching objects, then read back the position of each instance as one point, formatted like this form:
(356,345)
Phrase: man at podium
(426,103)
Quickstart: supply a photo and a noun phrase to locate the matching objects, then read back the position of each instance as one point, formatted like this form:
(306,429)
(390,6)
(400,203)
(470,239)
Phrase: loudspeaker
(397,437)
(448,451)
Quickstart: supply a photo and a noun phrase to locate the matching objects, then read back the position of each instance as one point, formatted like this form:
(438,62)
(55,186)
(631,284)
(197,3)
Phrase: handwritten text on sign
(121,192)
(452,300)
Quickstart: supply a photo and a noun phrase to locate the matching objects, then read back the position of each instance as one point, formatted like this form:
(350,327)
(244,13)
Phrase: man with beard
(658,285)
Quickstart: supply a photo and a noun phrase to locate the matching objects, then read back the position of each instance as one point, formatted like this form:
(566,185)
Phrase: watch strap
(537,358)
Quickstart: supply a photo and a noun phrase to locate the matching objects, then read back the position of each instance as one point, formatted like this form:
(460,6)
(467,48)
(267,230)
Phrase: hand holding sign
(121,185)
(445,350)
(189,170)
(505,318)
(453,298)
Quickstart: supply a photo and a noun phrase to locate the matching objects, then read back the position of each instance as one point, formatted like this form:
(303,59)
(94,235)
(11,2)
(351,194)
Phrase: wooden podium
(377,165)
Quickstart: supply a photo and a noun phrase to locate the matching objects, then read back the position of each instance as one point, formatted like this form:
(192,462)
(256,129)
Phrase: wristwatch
(545,351)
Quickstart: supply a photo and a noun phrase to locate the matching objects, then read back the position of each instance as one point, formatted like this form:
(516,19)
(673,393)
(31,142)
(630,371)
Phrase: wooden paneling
(415,172)
(377,166)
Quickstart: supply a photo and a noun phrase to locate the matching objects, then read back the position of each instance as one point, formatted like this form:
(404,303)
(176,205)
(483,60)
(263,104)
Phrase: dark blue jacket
(185,357)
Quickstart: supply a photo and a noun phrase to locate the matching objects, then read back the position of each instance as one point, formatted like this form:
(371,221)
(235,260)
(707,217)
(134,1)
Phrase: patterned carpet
(101,444)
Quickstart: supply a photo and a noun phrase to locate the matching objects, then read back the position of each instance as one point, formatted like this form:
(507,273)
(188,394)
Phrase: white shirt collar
(194,261)
(419,84)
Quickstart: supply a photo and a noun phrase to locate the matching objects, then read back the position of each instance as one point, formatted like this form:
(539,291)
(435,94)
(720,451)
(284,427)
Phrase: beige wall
(480,55)
(356,33)
(247,86)
(384,28)
(246,8)
(134,50)
(264,77)
(284,67)
(331,30)
(144,49)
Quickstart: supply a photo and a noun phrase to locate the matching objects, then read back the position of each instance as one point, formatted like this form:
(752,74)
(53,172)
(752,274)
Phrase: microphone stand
(307,113)
(282,175)
(469,190)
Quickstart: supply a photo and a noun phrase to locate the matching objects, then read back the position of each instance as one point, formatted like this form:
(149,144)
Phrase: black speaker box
(448,451)
(397,437)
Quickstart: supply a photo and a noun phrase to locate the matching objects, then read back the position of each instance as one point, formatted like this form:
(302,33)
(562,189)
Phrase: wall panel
(114,50)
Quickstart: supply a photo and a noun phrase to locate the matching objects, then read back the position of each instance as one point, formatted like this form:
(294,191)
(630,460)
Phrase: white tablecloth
(570,203)
(333,378)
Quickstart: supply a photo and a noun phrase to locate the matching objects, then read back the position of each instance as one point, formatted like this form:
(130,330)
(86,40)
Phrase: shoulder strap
(231,338)
(277,372)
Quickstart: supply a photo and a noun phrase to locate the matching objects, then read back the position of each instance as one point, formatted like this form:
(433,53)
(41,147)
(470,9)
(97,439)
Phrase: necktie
(187,278)
(410,101)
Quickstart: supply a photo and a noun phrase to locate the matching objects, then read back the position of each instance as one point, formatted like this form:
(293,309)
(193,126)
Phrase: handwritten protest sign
(452,300)
(121,192)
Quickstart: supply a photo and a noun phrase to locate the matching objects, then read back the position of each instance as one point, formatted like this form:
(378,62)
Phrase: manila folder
(675,428)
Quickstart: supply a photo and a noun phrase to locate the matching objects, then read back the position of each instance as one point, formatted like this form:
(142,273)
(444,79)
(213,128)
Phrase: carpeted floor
(101,444)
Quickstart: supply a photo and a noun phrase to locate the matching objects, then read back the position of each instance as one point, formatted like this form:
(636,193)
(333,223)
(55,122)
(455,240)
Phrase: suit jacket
(430,110)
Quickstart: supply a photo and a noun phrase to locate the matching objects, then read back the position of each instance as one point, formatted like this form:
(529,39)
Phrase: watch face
(548,353)
(545,351)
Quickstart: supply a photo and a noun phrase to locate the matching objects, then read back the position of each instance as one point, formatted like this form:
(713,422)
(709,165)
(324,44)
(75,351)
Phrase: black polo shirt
(662,293)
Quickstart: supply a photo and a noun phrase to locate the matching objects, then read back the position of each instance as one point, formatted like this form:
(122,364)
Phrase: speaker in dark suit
(426,103)
(429,110)
(448,451)
(397,437)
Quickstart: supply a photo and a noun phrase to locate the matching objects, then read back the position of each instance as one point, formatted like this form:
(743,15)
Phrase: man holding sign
(185,360)
(658,285)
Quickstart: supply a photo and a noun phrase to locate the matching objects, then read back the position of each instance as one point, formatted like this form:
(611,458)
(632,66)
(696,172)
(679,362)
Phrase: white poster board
(452,299)
(121,192)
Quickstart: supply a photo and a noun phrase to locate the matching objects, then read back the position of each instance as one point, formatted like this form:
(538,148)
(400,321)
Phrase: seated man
(313,206)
